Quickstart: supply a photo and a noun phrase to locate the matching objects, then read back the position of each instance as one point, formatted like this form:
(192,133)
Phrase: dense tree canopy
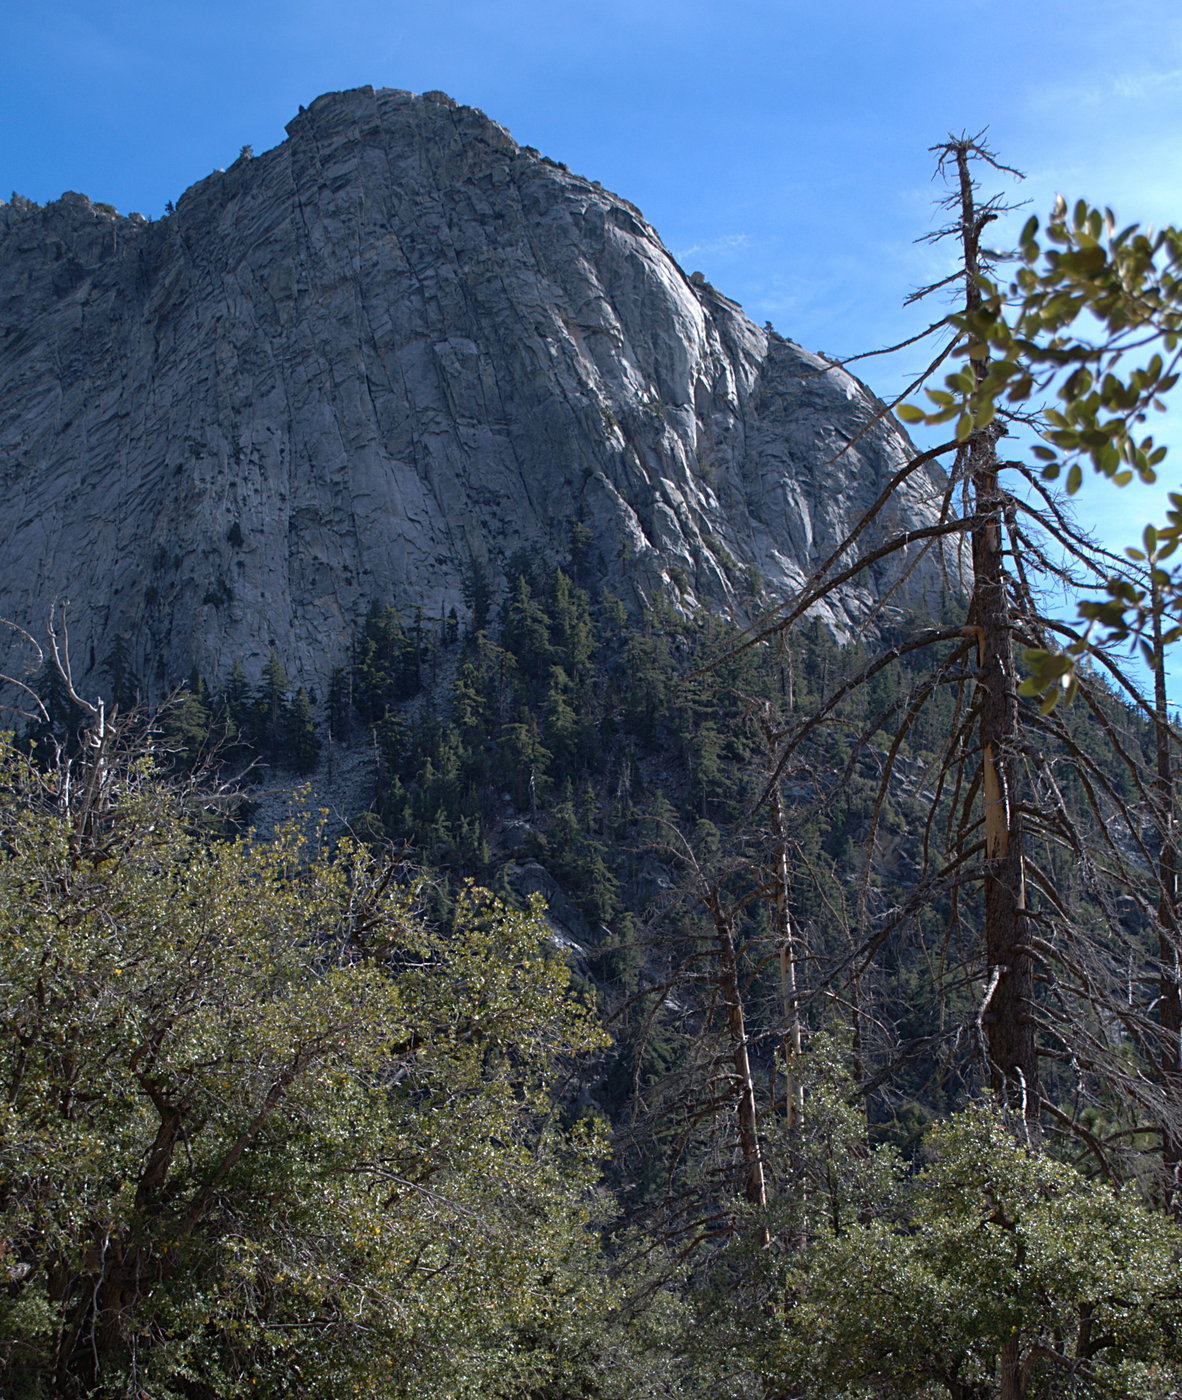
(265,1130)
(994,1271)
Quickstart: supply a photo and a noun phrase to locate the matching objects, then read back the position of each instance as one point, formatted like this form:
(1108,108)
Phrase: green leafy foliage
(1087,338)
(994,1271)
(264,1129)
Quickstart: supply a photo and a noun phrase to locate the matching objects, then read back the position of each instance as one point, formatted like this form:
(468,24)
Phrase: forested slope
(744,1115)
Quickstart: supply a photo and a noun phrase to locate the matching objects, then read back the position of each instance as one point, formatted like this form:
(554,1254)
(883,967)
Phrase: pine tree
(526,631)
(297,743)
(186,724)
(125,684)
(340,703)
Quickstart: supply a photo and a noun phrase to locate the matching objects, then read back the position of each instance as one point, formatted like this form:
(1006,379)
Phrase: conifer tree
(125,684)
(297,741)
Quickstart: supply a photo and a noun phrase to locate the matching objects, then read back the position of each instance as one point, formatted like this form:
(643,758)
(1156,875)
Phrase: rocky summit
(379,359)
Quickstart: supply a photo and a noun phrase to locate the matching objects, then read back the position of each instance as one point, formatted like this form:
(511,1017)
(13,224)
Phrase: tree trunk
(787,944)
(1169,970)
(1007,1015)
(1011,1376)
(747,1110)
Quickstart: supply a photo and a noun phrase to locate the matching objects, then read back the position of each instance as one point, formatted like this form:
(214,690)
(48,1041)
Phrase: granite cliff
(393,347)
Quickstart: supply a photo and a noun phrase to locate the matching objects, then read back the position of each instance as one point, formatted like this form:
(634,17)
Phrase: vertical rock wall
(394,345)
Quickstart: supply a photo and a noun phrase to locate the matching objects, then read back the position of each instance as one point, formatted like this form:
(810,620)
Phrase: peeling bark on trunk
(1007,1017)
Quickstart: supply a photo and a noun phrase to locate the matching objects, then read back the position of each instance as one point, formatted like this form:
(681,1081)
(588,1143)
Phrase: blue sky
(780,147)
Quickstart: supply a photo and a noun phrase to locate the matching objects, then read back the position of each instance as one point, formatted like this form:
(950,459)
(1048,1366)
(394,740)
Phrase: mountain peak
(395,347)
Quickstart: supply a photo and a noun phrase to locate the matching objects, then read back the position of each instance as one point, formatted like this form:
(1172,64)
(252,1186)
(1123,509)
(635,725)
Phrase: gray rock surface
(346,369)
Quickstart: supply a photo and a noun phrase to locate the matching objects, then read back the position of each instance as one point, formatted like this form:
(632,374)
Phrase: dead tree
(1047,990)
(1007,1014)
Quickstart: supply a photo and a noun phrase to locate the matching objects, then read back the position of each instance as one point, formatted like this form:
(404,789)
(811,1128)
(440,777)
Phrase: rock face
(393,348)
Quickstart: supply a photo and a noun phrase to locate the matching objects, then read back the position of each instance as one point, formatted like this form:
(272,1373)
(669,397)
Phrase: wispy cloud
(1097,90)
(1137,85)
(714,247)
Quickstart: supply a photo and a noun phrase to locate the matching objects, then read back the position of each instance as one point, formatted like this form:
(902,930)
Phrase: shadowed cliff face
(394,345)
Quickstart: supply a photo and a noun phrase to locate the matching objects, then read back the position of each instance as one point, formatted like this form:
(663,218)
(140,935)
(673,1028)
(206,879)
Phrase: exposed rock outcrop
(394,345)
